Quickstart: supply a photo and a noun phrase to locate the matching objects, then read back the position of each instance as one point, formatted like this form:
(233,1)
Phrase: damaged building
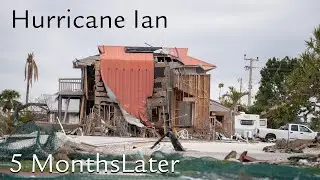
(221,116)
(141,91)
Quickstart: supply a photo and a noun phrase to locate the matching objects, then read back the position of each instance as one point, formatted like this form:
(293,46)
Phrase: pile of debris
(305,160)
(243,157)
(295,146)
(72,146)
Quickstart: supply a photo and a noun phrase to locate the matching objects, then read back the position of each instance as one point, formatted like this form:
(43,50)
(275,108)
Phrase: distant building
(72,116)
(224,120)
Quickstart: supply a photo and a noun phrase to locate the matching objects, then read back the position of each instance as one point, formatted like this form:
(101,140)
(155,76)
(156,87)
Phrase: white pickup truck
(289,131)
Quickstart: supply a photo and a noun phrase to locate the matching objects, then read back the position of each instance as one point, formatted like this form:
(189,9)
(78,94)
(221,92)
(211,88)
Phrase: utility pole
(240,81)
(250,67)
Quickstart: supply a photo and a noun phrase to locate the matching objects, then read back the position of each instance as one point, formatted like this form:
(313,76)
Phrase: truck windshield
(305,129)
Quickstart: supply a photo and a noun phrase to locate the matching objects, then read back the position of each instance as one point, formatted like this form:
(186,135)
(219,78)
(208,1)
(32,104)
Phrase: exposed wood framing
(158,101)
(82,108)
(160,93)
(195,88)
(86,83)
(100,94)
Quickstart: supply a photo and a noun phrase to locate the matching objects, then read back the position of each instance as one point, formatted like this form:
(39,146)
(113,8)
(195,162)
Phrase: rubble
(295,146)
(231,155)
(69,146)
(306,160)
(304,157)
(243,157)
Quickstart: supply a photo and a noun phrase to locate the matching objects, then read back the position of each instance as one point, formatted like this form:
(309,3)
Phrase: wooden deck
(70,87)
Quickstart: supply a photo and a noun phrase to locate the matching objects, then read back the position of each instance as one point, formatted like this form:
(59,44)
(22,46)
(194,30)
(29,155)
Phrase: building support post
(59,106)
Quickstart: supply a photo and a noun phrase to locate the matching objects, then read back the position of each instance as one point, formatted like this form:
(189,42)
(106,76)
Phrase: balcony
(70,87)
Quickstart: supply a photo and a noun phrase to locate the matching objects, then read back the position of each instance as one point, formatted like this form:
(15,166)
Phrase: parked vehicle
(289,131)
(247,124)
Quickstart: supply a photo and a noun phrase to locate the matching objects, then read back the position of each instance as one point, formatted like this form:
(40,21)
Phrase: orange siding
(182,53)
(130,77)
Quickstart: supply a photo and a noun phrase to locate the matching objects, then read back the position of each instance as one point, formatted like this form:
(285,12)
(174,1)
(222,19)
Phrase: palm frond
(30,72)
(35,70)
(233,97)
(25,70)
(31,69)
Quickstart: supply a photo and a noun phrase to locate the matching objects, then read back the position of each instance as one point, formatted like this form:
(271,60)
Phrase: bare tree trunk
(27,93)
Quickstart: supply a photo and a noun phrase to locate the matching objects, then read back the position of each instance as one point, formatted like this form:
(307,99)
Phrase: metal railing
(70,84)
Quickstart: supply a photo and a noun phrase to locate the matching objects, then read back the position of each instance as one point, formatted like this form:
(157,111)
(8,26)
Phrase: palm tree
(9,100)
(232,98)
(220,86)
(30,73)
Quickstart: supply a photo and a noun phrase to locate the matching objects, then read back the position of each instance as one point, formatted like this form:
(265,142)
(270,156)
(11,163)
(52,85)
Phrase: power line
(250,68)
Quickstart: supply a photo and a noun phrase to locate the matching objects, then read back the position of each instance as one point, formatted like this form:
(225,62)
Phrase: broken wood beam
(100,94)
(245,158)
(156,143)
(174,140)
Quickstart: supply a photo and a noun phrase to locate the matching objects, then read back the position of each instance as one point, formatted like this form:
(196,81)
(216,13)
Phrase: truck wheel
(270,137)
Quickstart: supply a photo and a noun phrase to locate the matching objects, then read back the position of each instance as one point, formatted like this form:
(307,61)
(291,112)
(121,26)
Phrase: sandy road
(194,148)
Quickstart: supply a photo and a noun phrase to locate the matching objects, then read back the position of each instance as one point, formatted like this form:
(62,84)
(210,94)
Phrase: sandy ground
(216,150)
(219,150)
(102,141)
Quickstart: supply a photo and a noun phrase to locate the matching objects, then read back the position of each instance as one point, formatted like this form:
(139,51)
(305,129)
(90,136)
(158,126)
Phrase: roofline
(83,62)
(208,65)
(202,67)
(220,104)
